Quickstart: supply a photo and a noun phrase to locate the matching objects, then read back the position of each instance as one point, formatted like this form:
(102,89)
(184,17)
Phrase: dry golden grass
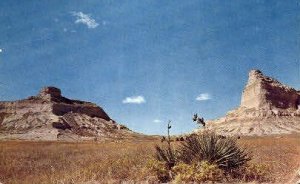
(57,162)
(280,153)
(111,162)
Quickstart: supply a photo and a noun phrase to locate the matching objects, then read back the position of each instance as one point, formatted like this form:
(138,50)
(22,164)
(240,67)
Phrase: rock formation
(50,116)
(262,92)
(267,107)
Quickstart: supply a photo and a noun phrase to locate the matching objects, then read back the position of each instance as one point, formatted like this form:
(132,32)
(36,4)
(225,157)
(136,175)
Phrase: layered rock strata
(50,116)
(267,107)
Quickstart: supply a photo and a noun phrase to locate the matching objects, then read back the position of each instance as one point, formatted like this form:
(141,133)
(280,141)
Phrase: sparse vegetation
(59,162)
(159,169)
(254,172)
(197,172)
(166,154)
(203,157)
(111,162)
(208,146)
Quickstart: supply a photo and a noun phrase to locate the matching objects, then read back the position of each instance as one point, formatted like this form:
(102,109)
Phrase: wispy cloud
(1,50)
(134,100)
(203,97)
(157,121)
(86,19)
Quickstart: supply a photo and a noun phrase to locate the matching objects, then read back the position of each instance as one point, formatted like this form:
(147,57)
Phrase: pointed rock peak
(254,75)
(50,91)
(267,107)
(263,92)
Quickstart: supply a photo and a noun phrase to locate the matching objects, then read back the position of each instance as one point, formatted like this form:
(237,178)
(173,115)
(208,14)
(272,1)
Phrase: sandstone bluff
(50,116)
(267,107)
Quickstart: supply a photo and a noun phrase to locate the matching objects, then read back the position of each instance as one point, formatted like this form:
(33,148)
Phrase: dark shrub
(167,155)
(208,146)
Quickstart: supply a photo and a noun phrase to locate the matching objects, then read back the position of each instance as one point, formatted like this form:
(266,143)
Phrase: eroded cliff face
(262,92)
(50,116)
(61,105)
(267,107)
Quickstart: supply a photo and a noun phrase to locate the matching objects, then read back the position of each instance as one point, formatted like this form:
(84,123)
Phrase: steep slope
(267,107)
(50,116)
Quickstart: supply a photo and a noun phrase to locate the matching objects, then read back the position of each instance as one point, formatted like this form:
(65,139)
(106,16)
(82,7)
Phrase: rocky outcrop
(262,92)
(50,116)
(62,105)
(267,107)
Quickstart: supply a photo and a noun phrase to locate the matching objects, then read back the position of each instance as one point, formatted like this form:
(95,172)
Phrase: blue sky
(146,62)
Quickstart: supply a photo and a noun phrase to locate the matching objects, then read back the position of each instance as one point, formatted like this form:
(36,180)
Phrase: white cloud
(134,100)
(157,121)
(86,19)
(1,50)
(203,97)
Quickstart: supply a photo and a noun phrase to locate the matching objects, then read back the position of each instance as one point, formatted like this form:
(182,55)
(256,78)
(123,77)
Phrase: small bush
(197,172)
(210,147)
(159,169)
(204,157)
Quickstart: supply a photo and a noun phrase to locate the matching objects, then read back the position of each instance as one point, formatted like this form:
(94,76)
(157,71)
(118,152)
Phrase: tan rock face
(267,107)
(262,92)
(50,116)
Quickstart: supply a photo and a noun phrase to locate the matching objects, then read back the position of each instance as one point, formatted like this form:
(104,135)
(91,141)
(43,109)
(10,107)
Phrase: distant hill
(50,116)
(267,107)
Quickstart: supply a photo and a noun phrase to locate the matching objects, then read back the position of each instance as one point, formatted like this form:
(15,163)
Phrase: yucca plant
(208,146)
(167,155)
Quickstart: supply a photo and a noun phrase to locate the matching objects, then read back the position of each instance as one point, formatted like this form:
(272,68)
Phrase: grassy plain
(124,161)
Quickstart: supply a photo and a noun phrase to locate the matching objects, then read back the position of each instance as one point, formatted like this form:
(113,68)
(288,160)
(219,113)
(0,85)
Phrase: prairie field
(124,161)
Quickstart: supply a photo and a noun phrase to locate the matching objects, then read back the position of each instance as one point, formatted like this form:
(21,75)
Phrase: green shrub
(203,157)
(197,172)
(208,146)
(159,169)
